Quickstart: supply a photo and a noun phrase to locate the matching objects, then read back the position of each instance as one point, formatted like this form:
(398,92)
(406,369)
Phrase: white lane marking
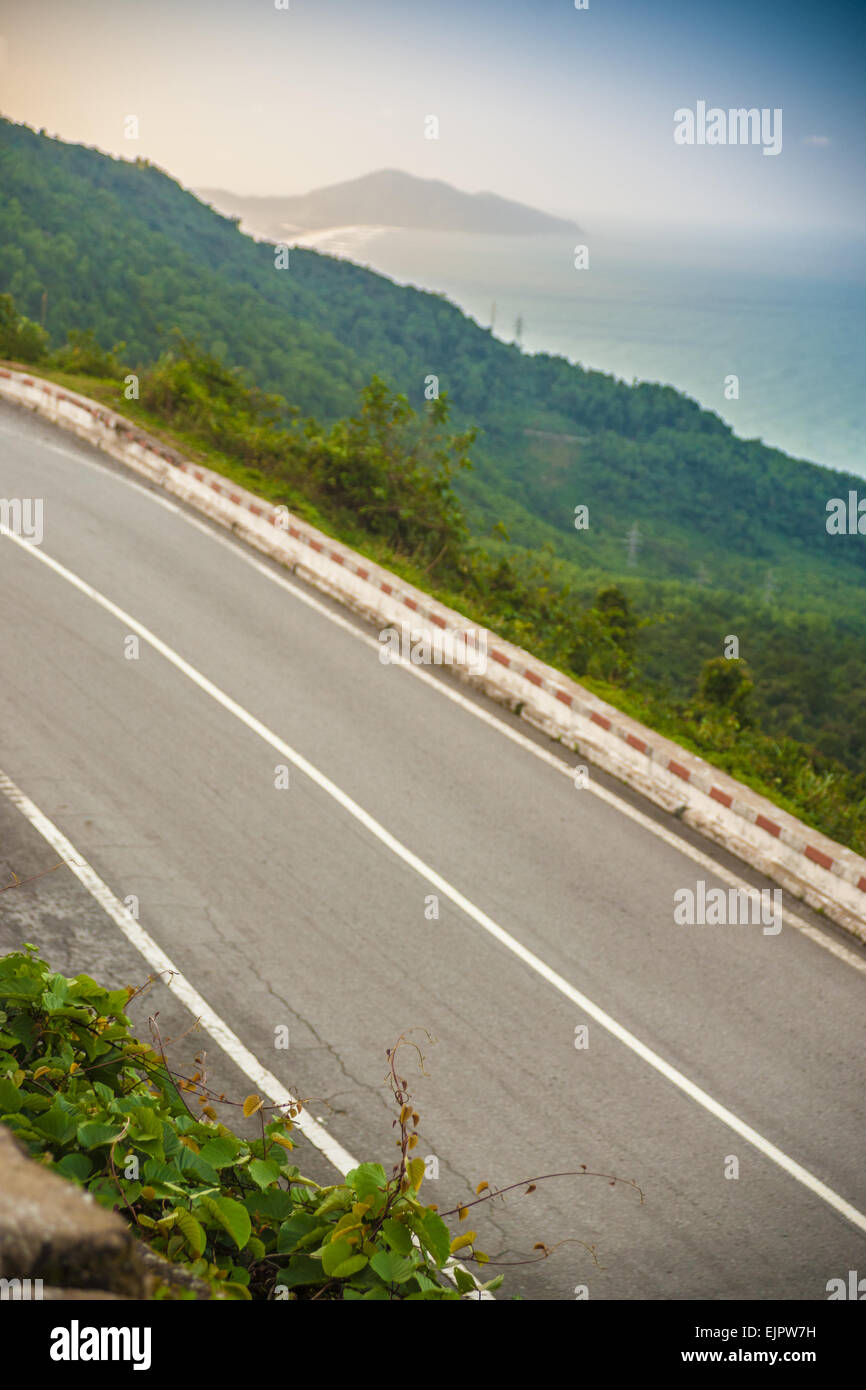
(231,543)
(263,1080)
(447,890)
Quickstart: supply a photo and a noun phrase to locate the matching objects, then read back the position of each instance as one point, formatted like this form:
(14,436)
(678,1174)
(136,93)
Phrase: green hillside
(730,535)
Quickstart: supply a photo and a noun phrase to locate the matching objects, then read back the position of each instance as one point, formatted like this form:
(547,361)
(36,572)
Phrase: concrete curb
(812,867)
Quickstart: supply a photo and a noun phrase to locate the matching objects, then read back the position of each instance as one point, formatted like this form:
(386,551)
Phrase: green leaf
(294,1230)
(393,1268)
(415,1170)
(300,1271)
(171,1144)
(93,1136)
(368,1182)
(230,1215)
(339,1252)
(24,1029)
(113,1003)
(192,1230)
(145,1122)
(75,1165)
(20,991)
(398,1236)
(275,1204)
(155,1172)
(464,1281)
(105,1192)
(263,1171)
(34,1104)
(145,1132)
(191,1163)
(338,1200)
(56,995)
(57,1124)
(347,1268)
(220,1152)
(433,1234)
(314,1240)
(11,1099)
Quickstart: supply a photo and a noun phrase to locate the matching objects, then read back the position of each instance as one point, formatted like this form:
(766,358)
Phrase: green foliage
(106,1112)
(20,340)
(610,643)
(394,474)
(197,392)
(83,354)
(384,469)
(727,682)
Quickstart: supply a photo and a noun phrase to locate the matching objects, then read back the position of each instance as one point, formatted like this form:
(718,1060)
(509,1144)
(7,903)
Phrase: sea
(765,327)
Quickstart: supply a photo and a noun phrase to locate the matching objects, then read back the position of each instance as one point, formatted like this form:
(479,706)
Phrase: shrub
(83,354)
(106,1111)
(20,339)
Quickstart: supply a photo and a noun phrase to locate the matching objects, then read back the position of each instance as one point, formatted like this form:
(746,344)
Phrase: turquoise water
(785,313)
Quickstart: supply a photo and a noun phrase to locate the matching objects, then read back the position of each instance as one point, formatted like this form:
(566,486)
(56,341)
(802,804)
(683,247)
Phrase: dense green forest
(702,533)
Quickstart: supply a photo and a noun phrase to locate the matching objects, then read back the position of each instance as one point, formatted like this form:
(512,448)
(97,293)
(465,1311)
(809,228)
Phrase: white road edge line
(677,1078)
(238,548)
(264,1081)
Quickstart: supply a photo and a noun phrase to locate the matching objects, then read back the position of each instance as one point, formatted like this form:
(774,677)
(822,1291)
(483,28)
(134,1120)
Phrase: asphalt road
(281,907)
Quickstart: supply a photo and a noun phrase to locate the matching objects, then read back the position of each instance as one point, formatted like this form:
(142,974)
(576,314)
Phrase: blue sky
(564,109)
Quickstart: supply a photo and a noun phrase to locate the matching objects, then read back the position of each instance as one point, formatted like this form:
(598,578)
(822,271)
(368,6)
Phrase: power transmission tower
(633,540)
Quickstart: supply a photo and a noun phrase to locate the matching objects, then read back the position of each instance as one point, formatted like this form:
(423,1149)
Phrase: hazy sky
(569,110)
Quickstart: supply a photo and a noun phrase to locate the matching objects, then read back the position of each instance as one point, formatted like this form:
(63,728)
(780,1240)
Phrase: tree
(84,354)
(611,633)
(394,471)
(20,339)
(726,683)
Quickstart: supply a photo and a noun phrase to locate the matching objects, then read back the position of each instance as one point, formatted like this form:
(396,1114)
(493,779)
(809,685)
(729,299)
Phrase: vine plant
(108,1112)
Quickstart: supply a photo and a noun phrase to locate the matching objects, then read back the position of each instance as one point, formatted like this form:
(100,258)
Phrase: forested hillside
(707,534)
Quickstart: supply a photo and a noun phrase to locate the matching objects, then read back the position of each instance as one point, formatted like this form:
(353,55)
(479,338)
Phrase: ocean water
(783,312)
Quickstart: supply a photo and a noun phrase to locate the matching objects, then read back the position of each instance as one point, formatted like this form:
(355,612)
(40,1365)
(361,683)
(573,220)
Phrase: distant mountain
(388,198)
